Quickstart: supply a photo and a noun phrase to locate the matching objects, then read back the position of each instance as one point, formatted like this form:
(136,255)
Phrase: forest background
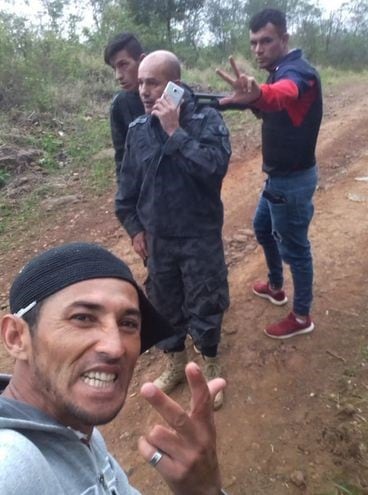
(55,60)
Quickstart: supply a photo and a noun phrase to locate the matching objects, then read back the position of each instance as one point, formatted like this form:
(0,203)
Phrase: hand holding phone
(166,108)
(174,92)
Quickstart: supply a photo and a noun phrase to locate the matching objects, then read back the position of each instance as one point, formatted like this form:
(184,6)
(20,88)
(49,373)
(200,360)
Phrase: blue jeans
(281,223)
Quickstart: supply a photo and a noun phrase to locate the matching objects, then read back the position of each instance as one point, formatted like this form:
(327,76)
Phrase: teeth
(99,375)
(98,379)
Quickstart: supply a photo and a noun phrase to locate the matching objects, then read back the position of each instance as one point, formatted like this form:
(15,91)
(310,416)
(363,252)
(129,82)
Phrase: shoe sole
(294,334)
(270,298)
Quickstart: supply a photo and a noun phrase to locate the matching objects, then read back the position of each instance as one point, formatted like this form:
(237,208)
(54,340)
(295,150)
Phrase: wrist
(171,130)
(256,101)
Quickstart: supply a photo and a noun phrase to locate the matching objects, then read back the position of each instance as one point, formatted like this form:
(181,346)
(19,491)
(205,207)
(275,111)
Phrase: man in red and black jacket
(290,105)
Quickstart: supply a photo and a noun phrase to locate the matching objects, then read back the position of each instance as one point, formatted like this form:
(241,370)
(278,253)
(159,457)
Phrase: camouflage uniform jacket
(171,186)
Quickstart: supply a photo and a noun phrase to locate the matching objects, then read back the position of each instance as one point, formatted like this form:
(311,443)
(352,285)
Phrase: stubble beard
(59,406)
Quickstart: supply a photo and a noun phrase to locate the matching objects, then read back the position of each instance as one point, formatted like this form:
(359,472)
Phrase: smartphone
(175,92)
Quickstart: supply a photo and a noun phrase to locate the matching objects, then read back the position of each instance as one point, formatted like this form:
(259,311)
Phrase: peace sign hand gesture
(185,452)
(246,88)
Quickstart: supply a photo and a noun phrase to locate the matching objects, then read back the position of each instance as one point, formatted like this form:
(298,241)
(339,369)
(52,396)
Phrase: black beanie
(68,264)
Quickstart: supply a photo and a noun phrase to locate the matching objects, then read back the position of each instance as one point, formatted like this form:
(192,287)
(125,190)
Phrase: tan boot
(212,369)
(174,372)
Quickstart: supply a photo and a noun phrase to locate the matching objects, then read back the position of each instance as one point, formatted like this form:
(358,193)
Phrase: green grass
(364,352)
(341,487)
(237,121)
(207,77)
(4,176)
(331,76)
(87,135)
(101,176)
(346,489)
(68,145)
(12,218)
(5,215)
(90,137)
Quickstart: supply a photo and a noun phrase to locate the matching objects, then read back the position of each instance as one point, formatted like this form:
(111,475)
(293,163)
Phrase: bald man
(169,203)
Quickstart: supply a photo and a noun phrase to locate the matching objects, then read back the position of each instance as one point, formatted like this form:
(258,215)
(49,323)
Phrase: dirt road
(296,413)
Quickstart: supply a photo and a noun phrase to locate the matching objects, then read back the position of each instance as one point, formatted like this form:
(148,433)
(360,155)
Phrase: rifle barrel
(212,100)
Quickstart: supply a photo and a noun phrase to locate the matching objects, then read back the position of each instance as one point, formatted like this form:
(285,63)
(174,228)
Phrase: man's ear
(141,57)
(15,336)
(285,38)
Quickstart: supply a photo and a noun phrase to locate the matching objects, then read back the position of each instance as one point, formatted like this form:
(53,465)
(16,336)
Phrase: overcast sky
(34,7)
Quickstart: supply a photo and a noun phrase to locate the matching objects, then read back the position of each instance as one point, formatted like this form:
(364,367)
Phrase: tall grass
(331,76)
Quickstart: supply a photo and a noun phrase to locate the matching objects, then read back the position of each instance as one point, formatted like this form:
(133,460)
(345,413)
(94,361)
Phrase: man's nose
(117,74)
(258,48)
(110,341)
(143,89)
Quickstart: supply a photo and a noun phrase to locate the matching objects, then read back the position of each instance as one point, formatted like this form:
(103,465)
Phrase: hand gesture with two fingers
(184,453)
(246,88)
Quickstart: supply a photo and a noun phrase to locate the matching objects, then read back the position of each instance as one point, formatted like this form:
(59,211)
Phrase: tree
(226,22)
(343,36)
(98,9)
(170,13)
(357,12)
(55,11)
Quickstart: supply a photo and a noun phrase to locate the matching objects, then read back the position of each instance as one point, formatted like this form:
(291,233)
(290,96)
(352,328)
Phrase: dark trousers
(188,285)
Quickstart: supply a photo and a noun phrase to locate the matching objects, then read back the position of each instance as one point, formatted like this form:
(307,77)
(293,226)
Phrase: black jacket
(287,147)
(171,186)
(126,106)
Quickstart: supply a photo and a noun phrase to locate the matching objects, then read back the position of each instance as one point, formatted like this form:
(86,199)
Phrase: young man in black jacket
(124,53)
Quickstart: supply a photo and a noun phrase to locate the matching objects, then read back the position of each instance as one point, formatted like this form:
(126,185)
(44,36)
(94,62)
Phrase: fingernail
(148,390)
(194,366)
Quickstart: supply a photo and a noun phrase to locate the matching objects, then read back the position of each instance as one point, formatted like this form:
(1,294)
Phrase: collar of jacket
(292,55)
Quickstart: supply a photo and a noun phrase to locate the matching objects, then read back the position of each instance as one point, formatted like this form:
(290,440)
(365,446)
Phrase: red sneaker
(289,327)
(262,289)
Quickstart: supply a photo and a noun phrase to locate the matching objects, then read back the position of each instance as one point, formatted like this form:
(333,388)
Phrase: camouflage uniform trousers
(188,285)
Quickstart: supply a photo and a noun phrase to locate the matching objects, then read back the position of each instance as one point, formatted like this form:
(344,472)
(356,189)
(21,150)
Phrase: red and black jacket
(291,109)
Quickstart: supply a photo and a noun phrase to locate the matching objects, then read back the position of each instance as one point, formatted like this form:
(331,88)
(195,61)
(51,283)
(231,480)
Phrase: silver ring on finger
(156,458)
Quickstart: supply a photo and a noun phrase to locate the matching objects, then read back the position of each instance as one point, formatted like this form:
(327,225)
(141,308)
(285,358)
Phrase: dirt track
(292,409)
